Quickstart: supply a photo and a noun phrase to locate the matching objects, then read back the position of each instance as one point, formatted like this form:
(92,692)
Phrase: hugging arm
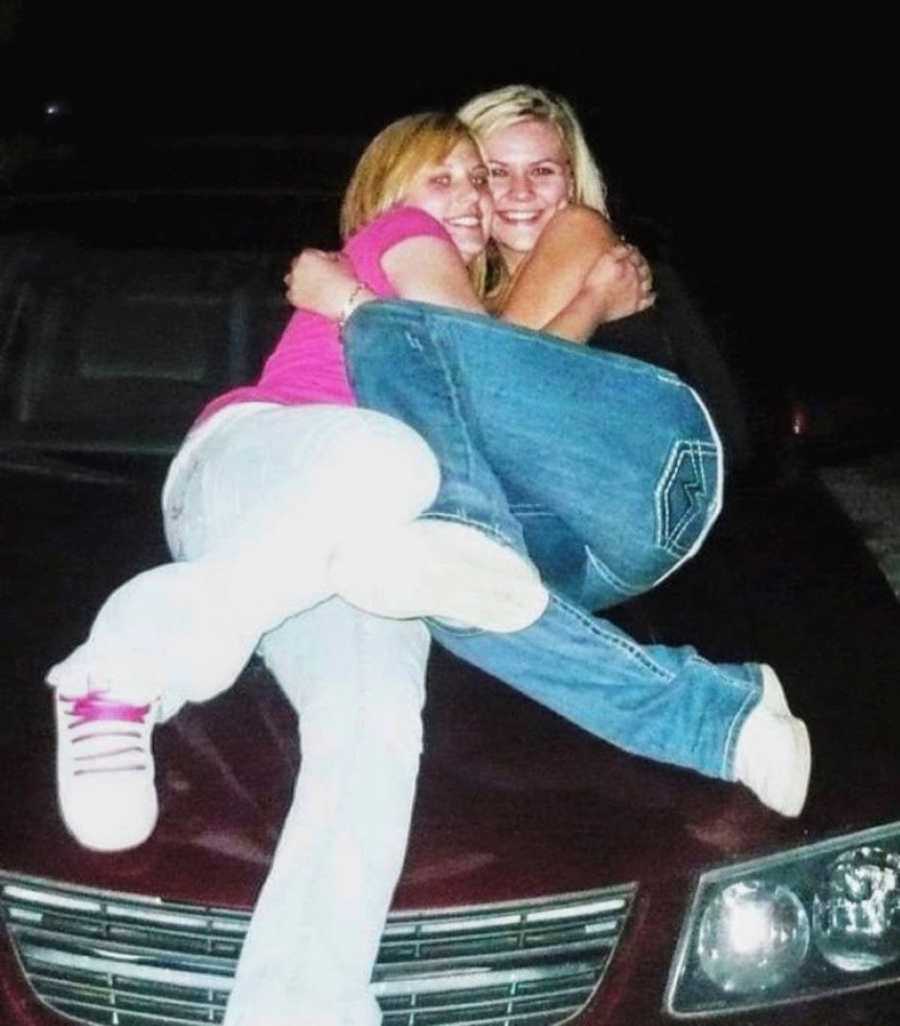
(421,268)
(579,275)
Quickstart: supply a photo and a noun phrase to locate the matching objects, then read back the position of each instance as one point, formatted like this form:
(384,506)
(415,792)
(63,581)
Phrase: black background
(750,143)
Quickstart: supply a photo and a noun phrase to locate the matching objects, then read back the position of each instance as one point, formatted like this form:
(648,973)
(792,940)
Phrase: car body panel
(513,803)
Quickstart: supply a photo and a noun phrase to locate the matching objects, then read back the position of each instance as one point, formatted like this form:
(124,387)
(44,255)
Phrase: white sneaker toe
(444,570)
(774,759)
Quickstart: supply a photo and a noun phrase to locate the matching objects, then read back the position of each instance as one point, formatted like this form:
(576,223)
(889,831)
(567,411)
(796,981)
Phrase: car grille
(124,960)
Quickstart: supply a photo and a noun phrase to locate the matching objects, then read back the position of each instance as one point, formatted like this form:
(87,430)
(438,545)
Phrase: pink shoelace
(93,707)
(108,750)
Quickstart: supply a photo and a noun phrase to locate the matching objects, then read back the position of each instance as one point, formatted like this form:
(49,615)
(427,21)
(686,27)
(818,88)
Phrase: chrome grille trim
(114,959)
(103,965)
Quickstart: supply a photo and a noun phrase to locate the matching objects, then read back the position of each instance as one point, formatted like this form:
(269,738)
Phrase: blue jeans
(607,472)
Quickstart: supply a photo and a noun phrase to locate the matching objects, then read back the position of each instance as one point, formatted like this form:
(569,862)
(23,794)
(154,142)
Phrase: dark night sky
(684,135)
(747,141)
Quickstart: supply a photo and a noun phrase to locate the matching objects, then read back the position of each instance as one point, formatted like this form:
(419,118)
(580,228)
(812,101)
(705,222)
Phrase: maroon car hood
(512,800)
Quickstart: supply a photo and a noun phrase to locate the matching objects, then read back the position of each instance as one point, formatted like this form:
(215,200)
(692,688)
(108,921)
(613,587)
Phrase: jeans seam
(453,396)
(530,509)
(461,518)
(719,452)
(631,648)
(752,699)
(611,578)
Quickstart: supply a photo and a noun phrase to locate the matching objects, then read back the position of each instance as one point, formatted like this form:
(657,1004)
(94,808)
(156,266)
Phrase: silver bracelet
(350,304)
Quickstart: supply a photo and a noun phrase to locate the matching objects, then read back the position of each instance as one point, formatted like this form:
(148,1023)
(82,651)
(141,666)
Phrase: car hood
(512,801)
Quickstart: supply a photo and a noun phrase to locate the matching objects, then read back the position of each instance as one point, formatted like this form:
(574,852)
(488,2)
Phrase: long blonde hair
(489,112)
(391,161)
(486,113)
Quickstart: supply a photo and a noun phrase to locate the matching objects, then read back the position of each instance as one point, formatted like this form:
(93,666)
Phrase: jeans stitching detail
(530,509)
(461,518)
(669,534)
(414,341)
(753,697)
(630,648)
(695,451)
(611,578)
(453,395)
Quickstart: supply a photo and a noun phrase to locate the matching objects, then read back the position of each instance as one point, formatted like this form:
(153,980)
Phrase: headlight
(790,927)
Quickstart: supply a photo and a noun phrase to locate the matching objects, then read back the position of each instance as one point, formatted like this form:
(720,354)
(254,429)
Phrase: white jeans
(254,508)
(356,682)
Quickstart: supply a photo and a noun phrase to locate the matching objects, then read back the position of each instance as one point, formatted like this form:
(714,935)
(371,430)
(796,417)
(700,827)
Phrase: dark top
(673,335)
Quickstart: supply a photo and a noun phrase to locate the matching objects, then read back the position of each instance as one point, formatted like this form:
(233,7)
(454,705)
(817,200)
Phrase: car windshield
(115,335)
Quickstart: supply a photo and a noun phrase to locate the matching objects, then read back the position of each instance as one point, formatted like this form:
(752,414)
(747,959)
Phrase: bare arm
(423,268)
(554,272)
(619,284)
(430,270)
(579,275)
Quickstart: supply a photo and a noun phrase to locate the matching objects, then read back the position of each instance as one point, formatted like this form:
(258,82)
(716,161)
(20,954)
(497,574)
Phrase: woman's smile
(455,192)
(530,182)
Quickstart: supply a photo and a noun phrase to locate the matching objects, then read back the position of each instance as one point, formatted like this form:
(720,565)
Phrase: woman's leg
(357,683)
(254,521)
(729,721)
(619,451)
(664,703)
(256,512)
(576,434)
(621,460)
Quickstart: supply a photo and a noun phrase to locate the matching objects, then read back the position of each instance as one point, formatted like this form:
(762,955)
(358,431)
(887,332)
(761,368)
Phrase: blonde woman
(320,977)
(606,471)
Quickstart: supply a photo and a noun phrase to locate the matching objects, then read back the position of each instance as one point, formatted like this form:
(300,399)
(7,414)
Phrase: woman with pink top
(269,486)
(276,478)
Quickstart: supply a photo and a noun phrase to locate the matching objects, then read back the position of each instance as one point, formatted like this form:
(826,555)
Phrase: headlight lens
(790,927)
(752,937)
(856,910)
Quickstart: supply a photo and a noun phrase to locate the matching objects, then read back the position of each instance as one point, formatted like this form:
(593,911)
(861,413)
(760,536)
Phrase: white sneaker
(774,759)
(104,770)
(440,569)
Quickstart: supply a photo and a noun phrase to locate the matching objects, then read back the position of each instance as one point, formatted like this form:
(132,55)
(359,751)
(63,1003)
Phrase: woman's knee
(380,462)
(319,465)
(397,461)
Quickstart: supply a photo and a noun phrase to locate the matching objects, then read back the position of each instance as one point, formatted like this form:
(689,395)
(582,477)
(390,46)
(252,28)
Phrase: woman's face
(530,181)
(455,192)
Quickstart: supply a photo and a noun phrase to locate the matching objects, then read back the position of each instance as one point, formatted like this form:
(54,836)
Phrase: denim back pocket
(687,496)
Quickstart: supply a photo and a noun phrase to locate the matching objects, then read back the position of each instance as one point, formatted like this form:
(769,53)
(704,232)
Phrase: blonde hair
(389,164)
(488,112)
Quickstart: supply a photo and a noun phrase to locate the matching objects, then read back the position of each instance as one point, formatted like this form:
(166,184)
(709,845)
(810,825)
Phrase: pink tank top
(307,364)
